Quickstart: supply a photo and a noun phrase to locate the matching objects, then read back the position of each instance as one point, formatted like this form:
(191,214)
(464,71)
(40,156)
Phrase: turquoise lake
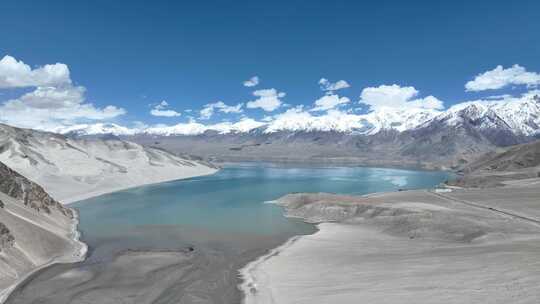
(229,208)
(222,222)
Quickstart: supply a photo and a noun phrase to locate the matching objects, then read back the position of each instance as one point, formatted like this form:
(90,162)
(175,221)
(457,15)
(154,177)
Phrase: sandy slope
(72,170)
(407,247)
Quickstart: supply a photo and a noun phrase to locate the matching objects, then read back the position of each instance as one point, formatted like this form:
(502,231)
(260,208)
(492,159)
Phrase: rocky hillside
(72,169)
(35,229)
(495,169)
(433,146)
(30,193)
(518,157)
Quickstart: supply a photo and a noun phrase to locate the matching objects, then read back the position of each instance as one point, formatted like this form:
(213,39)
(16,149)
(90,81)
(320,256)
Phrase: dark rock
(30,193)
(6,238)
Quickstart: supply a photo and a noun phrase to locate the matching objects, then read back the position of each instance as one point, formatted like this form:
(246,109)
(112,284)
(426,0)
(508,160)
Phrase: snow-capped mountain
(95,129)
(290,121)
(520,116)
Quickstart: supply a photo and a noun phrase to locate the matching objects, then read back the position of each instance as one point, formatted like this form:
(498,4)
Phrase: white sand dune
(72,170)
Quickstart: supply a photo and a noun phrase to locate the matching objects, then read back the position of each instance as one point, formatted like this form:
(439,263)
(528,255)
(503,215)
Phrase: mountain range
(520,116)
(384,137)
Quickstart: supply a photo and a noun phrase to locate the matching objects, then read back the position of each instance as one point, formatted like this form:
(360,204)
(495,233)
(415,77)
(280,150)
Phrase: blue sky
(191,53)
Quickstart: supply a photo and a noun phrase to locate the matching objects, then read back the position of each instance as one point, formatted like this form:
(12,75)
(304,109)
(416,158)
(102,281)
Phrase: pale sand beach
(464,246)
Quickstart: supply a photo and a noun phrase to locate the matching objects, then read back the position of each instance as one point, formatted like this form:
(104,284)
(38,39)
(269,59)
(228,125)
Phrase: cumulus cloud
(253,81)
(328,102)
(50,107)
(209,109)
(268,100)
(17,74)
(395,96)
(161,110)
(326,85)
(500,77)
(54,102)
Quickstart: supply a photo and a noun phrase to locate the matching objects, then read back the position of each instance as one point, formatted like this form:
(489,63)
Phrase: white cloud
(253,81)
(17,74)
(208,109)
(500,77)
(395,96)
(54,102)
(267,118)
(206,112)
(268,100)
(499,97)
(50,107)
(328,102)
(162,111)
(326,85)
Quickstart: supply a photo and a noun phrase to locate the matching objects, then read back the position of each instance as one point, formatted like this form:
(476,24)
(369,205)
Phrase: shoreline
(337,164)
(84,196)
(248,284)
(80,253)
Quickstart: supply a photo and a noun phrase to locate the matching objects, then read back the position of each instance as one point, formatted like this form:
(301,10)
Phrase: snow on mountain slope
(296,120)
(399,120)
(293,120)
(520,116)
(193,128)
(72,169)
(97,128)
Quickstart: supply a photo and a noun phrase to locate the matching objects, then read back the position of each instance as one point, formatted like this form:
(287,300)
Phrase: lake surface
(233,202)
(224,221)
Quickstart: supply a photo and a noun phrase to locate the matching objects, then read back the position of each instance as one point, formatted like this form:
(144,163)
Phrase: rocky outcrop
(30,193)
(6,238)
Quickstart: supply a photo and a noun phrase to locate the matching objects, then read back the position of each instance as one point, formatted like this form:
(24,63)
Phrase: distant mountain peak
(520,116)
